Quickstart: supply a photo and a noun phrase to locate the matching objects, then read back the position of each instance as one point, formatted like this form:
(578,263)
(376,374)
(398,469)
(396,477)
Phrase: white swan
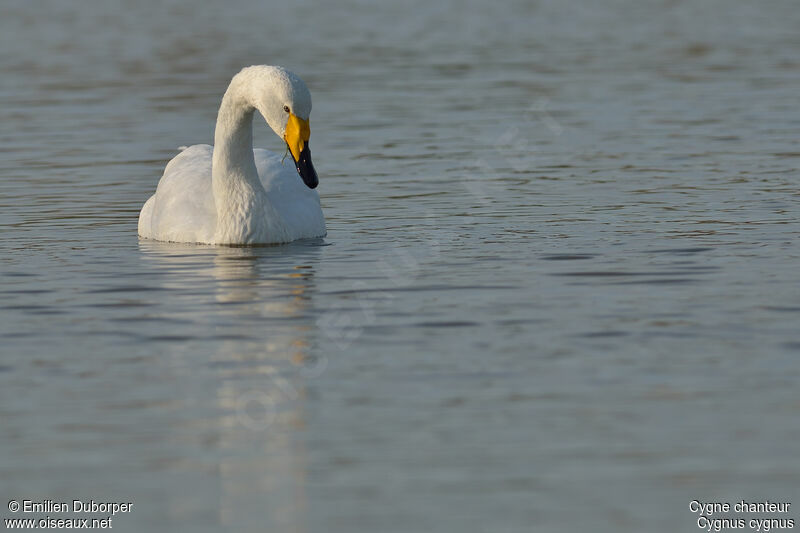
(232,194)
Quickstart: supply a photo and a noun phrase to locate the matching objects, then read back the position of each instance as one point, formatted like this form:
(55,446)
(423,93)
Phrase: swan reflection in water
(253,307)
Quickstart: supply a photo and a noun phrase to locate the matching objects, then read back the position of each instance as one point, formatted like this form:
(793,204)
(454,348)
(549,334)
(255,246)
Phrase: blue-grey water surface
(560,289)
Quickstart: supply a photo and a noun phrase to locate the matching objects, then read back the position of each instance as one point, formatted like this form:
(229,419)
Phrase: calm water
(560,289)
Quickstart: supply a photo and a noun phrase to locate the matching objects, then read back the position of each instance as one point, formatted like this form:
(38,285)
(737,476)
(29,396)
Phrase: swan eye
(286,108)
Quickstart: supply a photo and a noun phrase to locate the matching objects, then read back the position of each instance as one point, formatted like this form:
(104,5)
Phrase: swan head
(284,101)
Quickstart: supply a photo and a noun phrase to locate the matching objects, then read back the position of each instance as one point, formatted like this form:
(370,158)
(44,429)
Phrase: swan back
(183,208)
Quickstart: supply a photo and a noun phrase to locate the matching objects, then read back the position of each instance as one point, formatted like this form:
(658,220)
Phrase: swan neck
(233,137)
(241,202)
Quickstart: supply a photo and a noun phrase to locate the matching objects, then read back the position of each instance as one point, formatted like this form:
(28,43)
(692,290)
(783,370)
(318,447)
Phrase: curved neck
(240,199)
(233,141)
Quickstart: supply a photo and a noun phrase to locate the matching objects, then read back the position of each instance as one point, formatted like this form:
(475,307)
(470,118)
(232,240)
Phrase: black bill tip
(306,169)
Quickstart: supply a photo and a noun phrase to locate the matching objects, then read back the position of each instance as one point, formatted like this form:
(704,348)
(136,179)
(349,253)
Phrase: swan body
(232,194)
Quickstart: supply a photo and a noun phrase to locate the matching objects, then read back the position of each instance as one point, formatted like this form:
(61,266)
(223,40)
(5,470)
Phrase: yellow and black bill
(297,134)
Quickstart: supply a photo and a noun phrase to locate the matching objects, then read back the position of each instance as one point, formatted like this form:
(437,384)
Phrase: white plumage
(232,194)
